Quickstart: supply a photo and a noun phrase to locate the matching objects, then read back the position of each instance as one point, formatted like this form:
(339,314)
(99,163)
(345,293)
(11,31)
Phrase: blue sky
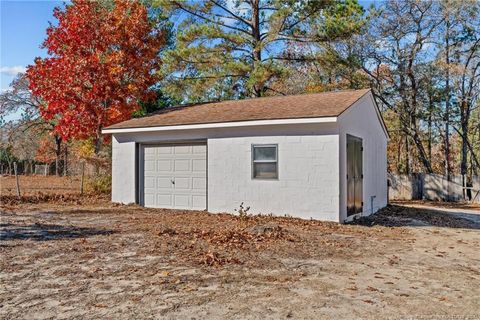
(22,31)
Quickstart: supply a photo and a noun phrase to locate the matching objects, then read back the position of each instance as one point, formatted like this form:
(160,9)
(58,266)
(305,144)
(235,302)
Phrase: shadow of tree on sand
(46,232)
(402,216)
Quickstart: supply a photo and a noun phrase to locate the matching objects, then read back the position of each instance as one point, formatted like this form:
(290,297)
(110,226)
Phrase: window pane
(264,153)
(265,170)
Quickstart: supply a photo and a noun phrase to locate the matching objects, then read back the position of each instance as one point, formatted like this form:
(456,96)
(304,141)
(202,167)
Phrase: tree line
(112,60)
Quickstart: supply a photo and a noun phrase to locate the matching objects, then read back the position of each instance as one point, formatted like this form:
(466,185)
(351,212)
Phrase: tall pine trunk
(407,155)
(447,99)
(464,120)
(430,124)
(258,88)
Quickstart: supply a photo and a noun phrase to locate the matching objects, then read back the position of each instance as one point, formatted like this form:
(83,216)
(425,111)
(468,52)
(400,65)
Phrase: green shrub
(98,184)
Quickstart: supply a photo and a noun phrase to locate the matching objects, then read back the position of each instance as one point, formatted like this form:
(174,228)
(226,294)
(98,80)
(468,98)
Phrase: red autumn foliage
(102,61)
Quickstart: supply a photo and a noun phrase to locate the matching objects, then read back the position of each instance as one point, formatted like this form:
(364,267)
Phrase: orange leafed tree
(101,62)
(46,150)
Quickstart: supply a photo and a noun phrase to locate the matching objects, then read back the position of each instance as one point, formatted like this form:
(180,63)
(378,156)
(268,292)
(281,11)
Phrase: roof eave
(250,123)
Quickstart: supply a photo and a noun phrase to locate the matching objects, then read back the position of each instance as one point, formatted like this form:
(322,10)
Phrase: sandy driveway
(465,213)
(101,261)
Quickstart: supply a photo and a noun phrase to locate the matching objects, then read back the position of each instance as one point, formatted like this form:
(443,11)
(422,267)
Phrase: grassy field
(83,257)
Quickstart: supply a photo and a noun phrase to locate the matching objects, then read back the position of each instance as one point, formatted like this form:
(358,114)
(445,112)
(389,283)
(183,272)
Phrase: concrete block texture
(307,184)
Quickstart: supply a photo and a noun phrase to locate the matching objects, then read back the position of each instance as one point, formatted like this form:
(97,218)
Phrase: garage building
(320,156)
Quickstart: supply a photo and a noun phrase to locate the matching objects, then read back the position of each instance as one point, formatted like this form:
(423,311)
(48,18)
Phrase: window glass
(264,162)
(265,170)
(265,153)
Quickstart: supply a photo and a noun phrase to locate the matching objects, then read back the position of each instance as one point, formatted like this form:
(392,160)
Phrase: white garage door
(175,176)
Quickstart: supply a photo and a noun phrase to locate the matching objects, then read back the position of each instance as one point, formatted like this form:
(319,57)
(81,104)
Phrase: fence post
(83,176)
(16,179)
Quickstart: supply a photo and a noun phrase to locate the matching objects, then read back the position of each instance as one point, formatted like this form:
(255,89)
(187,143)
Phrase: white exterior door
(175,176)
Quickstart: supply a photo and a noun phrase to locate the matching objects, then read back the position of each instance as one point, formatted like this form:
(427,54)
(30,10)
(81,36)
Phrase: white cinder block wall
(307,185)
(308,168)
(123,171)
(361,120)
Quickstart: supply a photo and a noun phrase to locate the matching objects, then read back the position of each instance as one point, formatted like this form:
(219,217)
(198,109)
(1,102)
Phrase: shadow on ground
(45,232)
(400,216)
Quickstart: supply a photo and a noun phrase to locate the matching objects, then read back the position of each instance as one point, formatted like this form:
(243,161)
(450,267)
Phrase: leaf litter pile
(197,237)
(56,198)
(219,239)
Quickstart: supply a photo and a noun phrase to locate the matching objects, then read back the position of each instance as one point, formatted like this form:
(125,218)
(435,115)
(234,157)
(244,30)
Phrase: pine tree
(234,49)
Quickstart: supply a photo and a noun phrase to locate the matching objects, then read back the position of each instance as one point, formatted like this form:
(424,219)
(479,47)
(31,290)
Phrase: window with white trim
(265,161)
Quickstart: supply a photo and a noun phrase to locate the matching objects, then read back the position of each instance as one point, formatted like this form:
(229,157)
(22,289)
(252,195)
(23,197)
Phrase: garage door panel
(164,150)
(199,149)
(164,182)
(149,165)
(175,176)
(182,201)
(182,183)
(164,165)
(182,165)
(164,201)
(151,191)
(183,149)
(149,199)
(150,151)
(199,202)
(150,157)
(149,183)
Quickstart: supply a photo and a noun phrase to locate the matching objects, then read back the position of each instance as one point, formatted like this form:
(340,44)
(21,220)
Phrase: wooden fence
(432,187)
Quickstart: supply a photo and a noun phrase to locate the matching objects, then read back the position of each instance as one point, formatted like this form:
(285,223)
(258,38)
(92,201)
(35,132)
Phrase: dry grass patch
(33,184)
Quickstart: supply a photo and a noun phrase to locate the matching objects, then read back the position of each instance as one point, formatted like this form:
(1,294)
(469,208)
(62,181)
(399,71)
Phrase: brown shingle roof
(326,104)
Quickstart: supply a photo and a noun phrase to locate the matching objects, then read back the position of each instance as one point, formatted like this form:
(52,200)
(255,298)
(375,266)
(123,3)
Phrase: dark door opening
(354,175)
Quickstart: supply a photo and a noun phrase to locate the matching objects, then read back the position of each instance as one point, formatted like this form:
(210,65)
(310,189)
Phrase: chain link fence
(24,178)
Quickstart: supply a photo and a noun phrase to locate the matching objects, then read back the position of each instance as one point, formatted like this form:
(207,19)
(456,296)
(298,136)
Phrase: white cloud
(12,71)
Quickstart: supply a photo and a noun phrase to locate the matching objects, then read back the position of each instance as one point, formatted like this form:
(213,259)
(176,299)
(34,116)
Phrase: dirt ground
(33,184)
(86,258)
(440,204)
